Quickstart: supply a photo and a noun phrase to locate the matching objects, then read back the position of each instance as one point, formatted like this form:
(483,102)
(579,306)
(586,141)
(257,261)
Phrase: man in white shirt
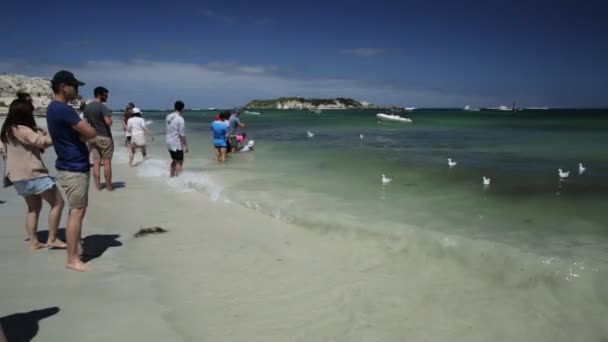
(176,138)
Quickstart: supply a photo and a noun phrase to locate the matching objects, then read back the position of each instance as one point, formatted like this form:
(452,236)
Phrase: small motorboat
(393,118)
(251,113)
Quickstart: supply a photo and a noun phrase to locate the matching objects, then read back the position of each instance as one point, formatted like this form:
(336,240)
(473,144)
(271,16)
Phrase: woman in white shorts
(136,126)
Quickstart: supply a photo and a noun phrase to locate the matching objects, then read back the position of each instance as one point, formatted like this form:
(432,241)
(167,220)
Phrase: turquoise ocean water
(520,153)
(527,225)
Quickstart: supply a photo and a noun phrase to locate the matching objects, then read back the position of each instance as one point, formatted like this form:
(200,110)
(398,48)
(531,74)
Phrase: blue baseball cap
(66,77)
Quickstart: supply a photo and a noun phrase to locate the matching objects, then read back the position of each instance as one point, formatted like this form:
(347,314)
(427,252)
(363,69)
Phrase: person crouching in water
(240,140)
(136,127)
(220,133)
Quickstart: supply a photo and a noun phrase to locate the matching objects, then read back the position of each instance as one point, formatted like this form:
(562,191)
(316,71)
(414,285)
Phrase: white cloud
(249,69)
(156,84)
(363,52)
(257,69)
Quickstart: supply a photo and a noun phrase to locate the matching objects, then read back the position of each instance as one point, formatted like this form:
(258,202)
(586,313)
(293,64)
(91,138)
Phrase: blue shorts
(35,186)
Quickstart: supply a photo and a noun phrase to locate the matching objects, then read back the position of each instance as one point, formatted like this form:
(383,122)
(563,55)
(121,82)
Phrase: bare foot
(109,188)
(78,266)
(36,246)
(56,244)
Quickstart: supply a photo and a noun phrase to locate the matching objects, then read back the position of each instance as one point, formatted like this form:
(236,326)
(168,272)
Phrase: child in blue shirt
(220,132)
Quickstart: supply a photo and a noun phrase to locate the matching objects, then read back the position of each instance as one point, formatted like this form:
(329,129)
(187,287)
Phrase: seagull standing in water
(563,174)
(310,134)
(581,168)
(486,181)
(386,180)
(451,163)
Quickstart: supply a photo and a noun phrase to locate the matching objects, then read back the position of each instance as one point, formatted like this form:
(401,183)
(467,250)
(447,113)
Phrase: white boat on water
(211,108)
(500,109)
(252,113)
(471,109)
(393,118)
(409,109)
(316,111)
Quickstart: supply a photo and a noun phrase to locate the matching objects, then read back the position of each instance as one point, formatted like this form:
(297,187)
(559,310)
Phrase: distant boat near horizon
(211,108)
(316,111)
(499,108)
(409,109)
(470,109)
(392,118)
(252,113)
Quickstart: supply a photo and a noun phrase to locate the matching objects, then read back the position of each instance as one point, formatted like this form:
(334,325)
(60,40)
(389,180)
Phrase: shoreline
(224,272)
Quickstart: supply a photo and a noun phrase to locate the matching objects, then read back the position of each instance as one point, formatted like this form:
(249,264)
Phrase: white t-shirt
(136,125)
(176,128)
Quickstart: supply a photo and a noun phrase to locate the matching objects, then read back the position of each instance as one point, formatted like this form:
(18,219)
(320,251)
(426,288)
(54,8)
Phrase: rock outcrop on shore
(304,103)
(39,88)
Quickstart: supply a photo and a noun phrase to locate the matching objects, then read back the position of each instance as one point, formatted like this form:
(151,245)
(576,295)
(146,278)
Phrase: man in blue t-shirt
(68,131)
(219,136)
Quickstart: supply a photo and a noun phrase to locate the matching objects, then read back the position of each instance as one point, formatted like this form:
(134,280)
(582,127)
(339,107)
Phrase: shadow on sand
(43,235)
(93,245)
(23,327)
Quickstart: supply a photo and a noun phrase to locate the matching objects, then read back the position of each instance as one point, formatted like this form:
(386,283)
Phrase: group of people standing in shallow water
(226,137)
(78,138)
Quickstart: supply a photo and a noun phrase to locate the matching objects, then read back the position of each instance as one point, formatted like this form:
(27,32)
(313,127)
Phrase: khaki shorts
(76,188)
(101,148)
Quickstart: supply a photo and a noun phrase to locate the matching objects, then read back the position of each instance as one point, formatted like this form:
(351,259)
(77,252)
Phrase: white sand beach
(228,273)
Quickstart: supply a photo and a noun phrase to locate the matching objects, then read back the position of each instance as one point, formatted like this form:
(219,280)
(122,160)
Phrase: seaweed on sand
(149,230)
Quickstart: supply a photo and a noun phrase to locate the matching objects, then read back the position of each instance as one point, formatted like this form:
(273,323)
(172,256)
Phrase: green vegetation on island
(307,103)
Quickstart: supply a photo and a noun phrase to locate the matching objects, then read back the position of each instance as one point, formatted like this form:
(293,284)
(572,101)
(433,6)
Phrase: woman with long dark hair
(23,144)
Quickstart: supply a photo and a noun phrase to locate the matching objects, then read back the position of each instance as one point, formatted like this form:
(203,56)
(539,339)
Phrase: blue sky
(221,54)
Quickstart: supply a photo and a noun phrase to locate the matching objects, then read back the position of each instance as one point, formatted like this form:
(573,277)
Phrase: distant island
(312,104)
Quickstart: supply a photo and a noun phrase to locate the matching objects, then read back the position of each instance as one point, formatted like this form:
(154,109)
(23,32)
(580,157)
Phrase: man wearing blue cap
(68,132)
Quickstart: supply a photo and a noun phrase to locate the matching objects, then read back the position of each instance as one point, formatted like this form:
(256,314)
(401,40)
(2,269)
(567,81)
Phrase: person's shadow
(2,202)
(23,327)
(115,185)
(43,235)
(93,246)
